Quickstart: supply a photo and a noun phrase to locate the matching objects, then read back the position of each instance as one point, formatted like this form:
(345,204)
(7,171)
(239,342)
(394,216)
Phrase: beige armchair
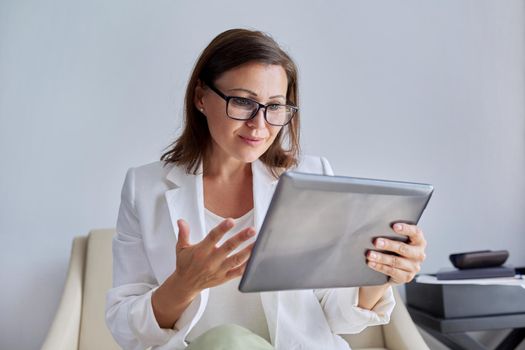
(79,321)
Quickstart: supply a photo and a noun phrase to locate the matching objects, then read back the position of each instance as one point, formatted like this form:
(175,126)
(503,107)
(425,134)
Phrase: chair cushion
(371,337)
(97,280)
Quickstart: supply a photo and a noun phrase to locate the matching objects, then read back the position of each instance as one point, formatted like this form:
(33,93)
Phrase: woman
(178,252)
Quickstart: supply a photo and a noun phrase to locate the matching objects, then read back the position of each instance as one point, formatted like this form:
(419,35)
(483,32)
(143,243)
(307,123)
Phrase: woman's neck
(227,184)
(222,167)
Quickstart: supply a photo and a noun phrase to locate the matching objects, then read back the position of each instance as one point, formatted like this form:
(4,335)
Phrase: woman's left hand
(403,267)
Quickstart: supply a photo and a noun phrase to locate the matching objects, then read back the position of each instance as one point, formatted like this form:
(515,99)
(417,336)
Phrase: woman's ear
(198,99)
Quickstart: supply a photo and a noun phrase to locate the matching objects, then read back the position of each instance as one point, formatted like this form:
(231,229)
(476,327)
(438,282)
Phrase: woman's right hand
(204,265)
(199,266)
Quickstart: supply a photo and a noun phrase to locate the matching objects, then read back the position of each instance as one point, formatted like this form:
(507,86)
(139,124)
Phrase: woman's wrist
(180,288)
(170,300)
(370,295)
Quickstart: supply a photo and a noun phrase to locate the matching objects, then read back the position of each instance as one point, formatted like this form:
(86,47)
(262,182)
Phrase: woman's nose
(258,122)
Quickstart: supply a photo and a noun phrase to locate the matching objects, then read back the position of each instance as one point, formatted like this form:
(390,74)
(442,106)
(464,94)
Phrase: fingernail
(398,227)
(251,233)
(380,243)
(373,255)
(371,264)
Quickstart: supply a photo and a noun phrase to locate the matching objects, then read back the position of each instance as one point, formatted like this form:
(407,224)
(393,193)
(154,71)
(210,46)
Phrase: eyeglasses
(241,108)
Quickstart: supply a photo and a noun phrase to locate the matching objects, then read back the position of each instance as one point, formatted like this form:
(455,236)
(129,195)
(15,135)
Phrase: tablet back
(318,229)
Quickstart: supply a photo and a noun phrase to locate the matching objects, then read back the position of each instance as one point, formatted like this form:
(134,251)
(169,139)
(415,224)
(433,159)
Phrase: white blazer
(153,198)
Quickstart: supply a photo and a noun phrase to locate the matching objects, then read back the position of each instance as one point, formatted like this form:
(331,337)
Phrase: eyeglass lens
(243,108)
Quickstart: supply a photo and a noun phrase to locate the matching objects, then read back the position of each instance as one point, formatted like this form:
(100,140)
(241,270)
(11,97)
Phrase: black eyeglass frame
(259,106)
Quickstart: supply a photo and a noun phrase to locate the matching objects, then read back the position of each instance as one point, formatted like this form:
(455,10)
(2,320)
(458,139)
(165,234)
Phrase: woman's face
(243,140)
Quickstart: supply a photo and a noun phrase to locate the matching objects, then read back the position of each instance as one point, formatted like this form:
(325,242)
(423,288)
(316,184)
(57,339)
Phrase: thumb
(183,240)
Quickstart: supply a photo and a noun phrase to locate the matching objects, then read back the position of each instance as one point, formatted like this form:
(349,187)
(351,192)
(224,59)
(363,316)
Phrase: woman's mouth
(252,141)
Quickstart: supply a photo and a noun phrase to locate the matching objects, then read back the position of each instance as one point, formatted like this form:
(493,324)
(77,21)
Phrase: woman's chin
(249,157)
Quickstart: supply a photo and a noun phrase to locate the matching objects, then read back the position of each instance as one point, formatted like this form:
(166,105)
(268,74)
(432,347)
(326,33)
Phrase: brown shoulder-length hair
(228,50)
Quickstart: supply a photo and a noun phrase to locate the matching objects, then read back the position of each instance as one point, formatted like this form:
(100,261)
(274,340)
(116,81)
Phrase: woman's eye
(243,102)
(274,107)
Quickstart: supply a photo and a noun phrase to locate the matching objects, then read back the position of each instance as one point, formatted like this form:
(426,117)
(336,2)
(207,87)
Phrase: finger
(239,258)
(394,261)
(412,231)
(218,232)
(183,238)
(396,275)
(403,249)
(231,244)
(236,272)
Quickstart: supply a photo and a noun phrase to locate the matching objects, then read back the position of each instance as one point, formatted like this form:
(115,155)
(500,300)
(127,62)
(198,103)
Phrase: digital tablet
(318,229)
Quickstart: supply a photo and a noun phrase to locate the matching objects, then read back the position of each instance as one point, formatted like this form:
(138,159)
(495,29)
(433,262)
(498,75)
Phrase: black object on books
(479,259)
(488,272)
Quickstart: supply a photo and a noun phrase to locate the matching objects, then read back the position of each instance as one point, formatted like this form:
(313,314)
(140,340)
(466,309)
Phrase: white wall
(430,91)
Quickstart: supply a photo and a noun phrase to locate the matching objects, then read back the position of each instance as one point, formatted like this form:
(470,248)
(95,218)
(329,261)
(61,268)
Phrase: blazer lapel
(185,201)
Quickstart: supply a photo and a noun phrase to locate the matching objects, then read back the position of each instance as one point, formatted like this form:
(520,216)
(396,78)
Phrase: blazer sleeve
(340,305)
(343,314)
(129,313)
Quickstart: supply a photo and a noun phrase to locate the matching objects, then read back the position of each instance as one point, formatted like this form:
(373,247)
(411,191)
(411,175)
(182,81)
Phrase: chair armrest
(401,332)
(64,331)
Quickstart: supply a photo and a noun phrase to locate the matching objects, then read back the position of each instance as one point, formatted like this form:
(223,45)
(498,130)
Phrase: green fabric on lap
(229,337)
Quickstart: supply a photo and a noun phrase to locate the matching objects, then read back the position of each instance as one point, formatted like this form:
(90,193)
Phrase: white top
(226,304)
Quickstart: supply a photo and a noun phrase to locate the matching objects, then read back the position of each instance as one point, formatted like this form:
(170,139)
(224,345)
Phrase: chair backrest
(98,279)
